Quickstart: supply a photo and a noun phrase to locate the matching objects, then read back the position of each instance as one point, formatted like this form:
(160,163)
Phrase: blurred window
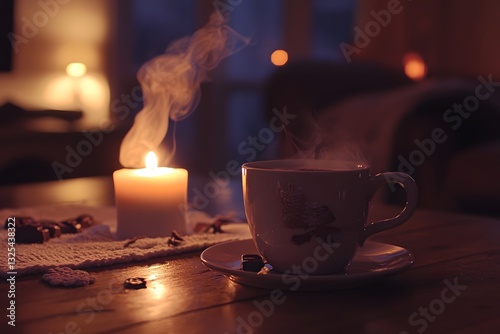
(234,96)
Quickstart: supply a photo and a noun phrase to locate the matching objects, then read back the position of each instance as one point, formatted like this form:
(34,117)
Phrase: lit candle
(150,201)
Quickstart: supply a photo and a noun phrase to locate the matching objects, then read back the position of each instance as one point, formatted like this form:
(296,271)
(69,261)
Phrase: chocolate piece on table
(175,235)
(175,239)
(173,242)
(203,227)
(217,226)
(70,226)
(132,241)
(30,234)
(251,262)
(52,226)
(135,283)
(20,221)
(86,220)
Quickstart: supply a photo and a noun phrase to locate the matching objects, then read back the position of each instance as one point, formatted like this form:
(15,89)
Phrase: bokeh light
(279,57)
(76,70)
(415,67)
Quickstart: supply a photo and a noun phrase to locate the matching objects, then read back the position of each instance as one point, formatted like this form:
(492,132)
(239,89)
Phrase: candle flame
(151,160)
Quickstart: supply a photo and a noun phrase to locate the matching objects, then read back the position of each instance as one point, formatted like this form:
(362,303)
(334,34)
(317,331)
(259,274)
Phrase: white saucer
(373,261)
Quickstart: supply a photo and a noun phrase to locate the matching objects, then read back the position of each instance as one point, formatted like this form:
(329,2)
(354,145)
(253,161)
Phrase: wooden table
(453,287)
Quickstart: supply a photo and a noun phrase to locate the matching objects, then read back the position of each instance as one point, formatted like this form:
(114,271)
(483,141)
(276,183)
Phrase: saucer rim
(313,282)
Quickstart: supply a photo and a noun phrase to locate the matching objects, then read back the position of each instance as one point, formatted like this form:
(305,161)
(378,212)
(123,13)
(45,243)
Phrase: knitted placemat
(97,246)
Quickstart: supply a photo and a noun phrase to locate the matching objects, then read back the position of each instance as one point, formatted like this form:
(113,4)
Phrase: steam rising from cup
(171,85)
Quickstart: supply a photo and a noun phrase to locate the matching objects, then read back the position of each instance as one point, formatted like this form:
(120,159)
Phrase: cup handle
(392,178)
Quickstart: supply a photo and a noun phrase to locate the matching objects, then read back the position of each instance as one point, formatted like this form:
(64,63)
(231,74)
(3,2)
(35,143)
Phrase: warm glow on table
(150,201)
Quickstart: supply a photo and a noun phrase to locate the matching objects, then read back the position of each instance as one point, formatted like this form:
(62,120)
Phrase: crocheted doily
(97,246)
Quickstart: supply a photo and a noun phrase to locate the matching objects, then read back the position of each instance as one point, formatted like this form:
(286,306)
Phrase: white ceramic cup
(313,213)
